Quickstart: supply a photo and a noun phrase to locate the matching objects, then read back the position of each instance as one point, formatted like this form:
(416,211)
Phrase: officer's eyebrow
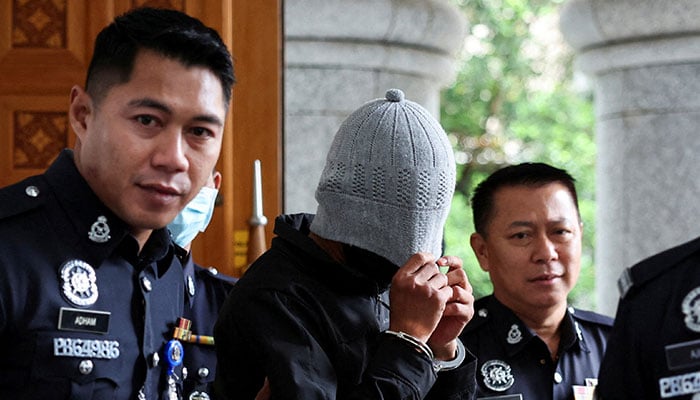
(521,224)
(152,103)
(530,224)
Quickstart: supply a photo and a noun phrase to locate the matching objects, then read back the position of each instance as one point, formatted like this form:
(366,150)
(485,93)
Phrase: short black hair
(525,174)
(167,32)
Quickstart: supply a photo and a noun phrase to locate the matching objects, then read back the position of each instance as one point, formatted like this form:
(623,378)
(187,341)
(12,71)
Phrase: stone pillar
(643,57)
(340,54)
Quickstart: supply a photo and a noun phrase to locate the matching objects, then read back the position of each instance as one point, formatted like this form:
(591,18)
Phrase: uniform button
(184,373)
(85,367)
(203,372)
(571,310)
(557,377)
(483,313)
(213,271)
(147,285)
(31,191)
(543,361)
(196,395)
(155,360)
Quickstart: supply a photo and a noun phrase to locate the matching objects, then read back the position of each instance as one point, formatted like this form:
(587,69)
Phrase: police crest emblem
(691,309)
(79,283)
(514,335)
(99,231)
(497,375)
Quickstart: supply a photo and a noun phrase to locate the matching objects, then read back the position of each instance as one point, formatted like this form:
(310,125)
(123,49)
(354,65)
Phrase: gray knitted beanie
(388,181)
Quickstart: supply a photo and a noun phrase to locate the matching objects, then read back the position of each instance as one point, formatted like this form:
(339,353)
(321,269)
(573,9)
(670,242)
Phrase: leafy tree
(515,100)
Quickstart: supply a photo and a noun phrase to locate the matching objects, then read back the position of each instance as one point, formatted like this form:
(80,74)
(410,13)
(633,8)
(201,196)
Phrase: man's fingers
(415,264)
(461,295)
(457,277)
(451,262)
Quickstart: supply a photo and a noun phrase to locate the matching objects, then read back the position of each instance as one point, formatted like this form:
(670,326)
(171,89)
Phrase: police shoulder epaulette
(213,272)
(654,266)
(590,316)
(22,196)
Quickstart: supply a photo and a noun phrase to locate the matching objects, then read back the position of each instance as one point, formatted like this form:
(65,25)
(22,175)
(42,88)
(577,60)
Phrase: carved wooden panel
(35,129)
(39,24)
(38,137)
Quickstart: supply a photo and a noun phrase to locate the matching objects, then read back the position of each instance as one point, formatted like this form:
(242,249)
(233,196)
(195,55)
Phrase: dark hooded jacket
(314,327)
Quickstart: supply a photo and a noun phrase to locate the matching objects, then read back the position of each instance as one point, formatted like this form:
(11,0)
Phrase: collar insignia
(99,231)
(514,335)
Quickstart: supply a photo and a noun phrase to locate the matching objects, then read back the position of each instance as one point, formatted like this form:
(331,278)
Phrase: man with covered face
(351,302)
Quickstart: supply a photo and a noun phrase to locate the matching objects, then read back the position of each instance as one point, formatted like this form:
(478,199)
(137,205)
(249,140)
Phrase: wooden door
(45,47)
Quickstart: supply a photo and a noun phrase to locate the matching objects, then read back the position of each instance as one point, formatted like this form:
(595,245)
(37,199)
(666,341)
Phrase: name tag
(73,319)
(683,355)
(504,397)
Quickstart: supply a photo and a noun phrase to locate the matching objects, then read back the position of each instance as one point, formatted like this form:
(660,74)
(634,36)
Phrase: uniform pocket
(80,365)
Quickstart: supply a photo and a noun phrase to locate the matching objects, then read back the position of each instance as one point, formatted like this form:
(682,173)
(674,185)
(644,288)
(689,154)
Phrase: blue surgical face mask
(194,218)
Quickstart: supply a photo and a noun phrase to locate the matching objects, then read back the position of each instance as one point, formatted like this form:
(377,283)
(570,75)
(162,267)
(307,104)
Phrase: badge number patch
(85,348)
(679,385)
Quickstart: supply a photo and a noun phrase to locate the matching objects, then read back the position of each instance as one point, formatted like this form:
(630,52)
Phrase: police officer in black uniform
(530,344)
(654,347)
(90,285)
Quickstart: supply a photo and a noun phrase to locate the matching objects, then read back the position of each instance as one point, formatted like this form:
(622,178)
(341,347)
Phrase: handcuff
(438,365)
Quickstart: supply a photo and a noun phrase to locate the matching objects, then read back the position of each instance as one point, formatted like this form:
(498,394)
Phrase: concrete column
(644,59)
(340,54)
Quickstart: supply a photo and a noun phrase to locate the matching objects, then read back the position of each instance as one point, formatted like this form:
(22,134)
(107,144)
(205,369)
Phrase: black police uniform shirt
(205,291)
(654,347)
(514,363)
(83,315)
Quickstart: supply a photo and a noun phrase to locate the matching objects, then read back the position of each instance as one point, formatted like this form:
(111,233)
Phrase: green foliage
(514,101)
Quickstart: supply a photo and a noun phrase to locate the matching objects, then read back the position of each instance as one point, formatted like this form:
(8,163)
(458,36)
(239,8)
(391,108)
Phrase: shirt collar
(516,335)
(188,274)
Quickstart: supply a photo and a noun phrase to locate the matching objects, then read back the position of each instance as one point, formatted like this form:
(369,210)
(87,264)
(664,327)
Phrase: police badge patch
(79,283)
(497,375)
(691,309)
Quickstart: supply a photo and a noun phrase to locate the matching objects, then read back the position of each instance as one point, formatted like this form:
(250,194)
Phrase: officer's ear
(478,244)
(217,179)
(79,111)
